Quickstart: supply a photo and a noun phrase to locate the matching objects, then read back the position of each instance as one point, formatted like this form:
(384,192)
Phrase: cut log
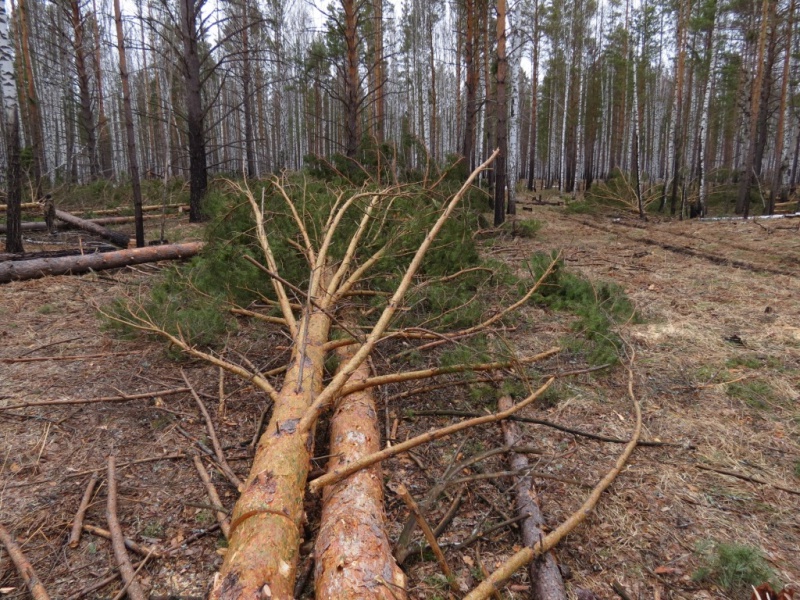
(56,253)
(23,206)
(115,237)
(352,551)
(42,226)
(71,265)
(149,208)
(545,575)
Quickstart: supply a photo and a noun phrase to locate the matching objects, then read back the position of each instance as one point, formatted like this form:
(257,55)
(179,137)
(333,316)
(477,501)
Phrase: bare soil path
(705,324)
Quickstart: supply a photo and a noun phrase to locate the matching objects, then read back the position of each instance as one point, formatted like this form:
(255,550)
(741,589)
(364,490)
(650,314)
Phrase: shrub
(734,567)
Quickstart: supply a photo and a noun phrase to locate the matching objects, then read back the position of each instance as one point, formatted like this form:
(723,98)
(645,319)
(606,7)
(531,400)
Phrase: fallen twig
(23,566)
(118,398)
(403,493)
(430,436)
(749,478)
(223,463)
(222,518)
(28,359)
(77,523)
(135,591)
(129,543)
(526,555)
(592,436)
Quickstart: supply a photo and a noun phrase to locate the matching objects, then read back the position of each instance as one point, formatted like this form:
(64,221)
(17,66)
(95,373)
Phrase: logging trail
(705,323)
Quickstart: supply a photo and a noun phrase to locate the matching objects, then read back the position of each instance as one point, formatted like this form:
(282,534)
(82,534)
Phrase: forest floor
(717,370)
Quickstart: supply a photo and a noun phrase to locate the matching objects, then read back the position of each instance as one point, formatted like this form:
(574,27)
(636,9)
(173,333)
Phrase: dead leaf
(468,560)
(665,570)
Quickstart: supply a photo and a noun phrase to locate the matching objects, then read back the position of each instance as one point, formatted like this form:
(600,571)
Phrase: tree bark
(545,574)
(780,163)
(352,552)
(133,160)
(34,110)
(104,147)
(115,237)
(72,265)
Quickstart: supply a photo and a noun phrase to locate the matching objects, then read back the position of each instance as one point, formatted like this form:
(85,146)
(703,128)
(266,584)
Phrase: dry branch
(120,398)
(77,522)
(72,265)
(135,591)
(352,551)
(24,567)
(129,543)
(545,574)
(223,462)
(339,474)
(749,478)
(526,555)
(222,518)
(409,501)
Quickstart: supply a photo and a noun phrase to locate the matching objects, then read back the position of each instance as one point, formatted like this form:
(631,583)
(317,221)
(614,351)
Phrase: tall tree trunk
(247,100)
(198,171)
(84,89)
(780,162)
(434,138)
(534,98)
(34,109)
(351,78)
(380,96)
(677,125)
(133,162)
(471,68)
(502,118)
(11,116)
(104,146)
(743,200)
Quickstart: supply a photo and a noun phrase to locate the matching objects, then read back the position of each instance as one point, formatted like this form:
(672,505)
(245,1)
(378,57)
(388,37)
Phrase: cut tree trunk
(545,575)
(352,552)
(71,265)
(115,237)
(267,521)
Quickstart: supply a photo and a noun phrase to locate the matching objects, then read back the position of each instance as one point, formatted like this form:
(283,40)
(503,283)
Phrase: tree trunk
(115,237)
(352,552)
(780,162)
(86,115)
(743,200)
(34,110)
(198,172)
(534,99)
(351,78)
(72,265)
(104,146)
(11,116)
(502,118)
(677,125)
(133,161)
(471,84)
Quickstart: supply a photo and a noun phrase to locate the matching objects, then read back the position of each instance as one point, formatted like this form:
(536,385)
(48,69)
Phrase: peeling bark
(353,554)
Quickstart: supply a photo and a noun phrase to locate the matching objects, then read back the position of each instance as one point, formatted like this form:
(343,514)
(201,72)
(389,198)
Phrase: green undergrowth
(599,307)
(453,289)
(734,567)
